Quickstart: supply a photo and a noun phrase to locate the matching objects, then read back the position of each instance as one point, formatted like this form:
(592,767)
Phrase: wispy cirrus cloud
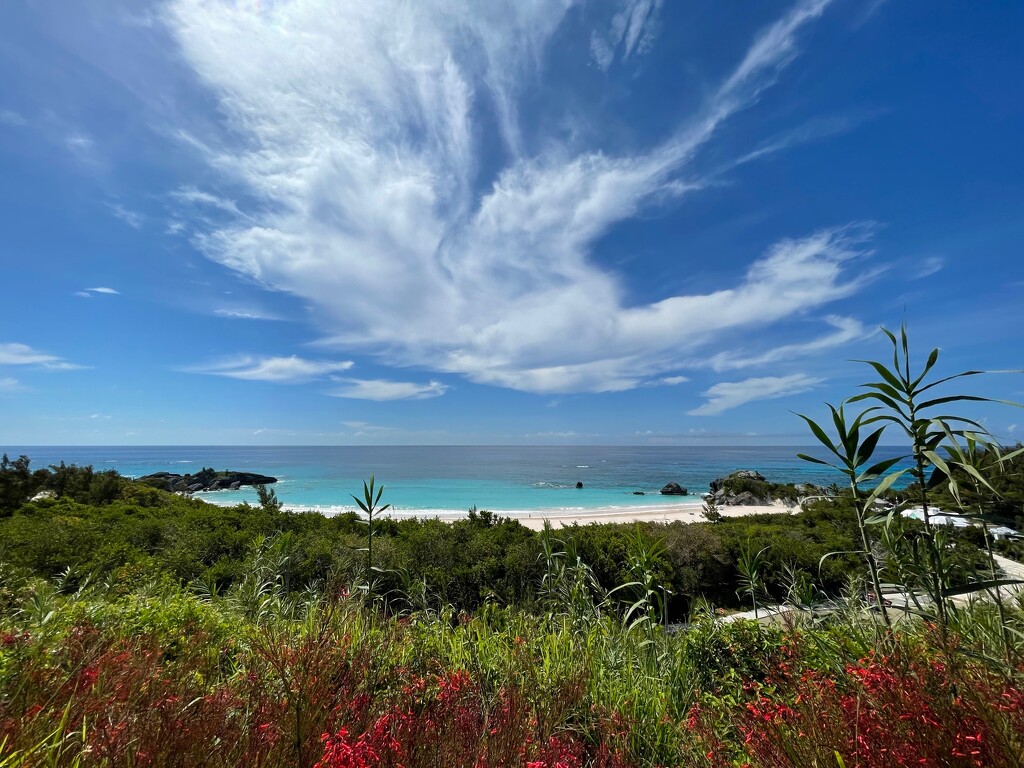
(10,385)
(247,313)
(813,130)
(10,117)
(927,266)
(191,196)
(82,146)
(361,149)
(384,389)
(847,329)
(133,219)
(732,394)
(632,29)
(279,370)
(22,354)
(88,293)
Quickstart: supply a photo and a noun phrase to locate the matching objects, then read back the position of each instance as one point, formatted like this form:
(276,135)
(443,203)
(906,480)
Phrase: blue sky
(631,221)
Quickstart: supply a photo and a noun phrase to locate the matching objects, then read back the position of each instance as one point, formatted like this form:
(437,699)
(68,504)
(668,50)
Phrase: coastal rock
(740,474)
(809,489)
(638,493)
(723,498)
(579,484)
(745,499)
(674,489)
(205,480)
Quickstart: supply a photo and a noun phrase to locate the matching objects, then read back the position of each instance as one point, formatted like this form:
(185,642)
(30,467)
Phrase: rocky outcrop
(741,474)
(205,480)
(743,488)
(674,489)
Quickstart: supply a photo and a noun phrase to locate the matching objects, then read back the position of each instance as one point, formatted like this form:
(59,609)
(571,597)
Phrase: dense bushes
(18,483)
(463,564)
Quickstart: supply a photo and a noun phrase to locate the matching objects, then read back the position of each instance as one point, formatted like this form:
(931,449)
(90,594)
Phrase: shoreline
(688,512)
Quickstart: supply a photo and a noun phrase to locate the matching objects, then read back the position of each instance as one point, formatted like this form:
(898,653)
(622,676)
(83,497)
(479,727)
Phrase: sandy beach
(668,513)
(651,513)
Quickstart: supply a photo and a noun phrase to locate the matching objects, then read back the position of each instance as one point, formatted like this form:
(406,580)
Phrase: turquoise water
(421,479)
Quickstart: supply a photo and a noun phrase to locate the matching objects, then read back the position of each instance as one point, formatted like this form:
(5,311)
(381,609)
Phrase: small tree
(268,498)
(710,511)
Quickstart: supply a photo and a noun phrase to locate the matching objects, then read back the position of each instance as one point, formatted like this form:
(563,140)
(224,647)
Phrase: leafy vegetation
(140,628)
(463,564)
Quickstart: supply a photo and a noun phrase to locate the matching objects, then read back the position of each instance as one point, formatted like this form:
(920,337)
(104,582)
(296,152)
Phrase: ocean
(438,479)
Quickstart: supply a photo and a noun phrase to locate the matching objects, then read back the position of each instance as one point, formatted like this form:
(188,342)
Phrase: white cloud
(10,385)
(10,117)
(279,370)
(360,150)
(245,314)
(847,330)
(383,389)
(632,29)
(671,381)
(81,146)
(813,130)
(107,291)
(1012,428)
(131,218)
(365,429)
(928,266)
(22,354)
(731,394)
(196,197)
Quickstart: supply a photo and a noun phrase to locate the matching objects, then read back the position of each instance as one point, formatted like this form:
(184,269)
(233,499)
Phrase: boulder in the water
(674,489)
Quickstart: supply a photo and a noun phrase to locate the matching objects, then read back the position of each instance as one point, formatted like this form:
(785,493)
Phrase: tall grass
(169,678)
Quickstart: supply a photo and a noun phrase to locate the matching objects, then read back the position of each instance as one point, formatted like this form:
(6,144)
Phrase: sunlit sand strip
(669,513)
(534,519)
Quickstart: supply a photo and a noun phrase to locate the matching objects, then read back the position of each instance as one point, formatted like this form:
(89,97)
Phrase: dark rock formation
(579,484)
(746,487)
(205,480)
(745,499)
(674,489)
(638,493)
(741,474)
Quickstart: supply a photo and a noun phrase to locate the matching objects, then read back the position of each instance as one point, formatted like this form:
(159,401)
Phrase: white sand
(667,513)
(688,512)
(651,513)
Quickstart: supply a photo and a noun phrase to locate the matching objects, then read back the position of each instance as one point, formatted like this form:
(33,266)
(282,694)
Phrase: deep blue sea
(455,478)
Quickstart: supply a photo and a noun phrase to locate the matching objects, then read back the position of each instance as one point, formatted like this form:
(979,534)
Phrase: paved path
(772,613)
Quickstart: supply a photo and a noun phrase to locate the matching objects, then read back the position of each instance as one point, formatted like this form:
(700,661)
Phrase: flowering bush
(887,711)
(445,720)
